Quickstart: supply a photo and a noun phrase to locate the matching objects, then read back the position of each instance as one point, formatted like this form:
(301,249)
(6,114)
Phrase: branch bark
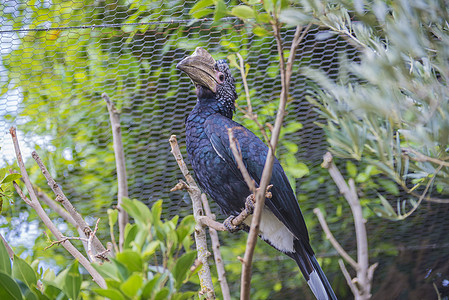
(61,212)
(207,287)
(8,248)
(217,253)
(364,271)
(61,197)
(267,172)
(35,204)
(123,218)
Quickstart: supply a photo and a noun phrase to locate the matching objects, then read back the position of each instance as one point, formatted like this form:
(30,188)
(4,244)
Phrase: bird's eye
(220,77)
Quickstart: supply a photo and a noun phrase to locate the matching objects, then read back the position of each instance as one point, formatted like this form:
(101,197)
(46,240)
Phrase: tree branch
(207,287)
(235,148)
(61,197)
(35,204)
(333,240)
(123,218)
(267,172)
(217,253)
(8,248)
(364,272)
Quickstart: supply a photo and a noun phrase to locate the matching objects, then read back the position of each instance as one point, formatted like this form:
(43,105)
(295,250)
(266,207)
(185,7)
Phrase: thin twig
(8,248)
(267,172)
(349,192)
(347,276)
(333,240)
(248,113)
(61,212)
(217,253)
(406,215)
(423,158)
(35,204)
(120,162)
(235,148)
(204,274)
(67,204)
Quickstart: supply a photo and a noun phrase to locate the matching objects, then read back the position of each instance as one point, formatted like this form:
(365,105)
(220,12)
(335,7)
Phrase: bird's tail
(313,273)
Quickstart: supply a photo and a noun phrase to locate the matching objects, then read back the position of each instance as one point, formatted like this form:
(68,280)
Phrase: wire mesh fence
(58,57)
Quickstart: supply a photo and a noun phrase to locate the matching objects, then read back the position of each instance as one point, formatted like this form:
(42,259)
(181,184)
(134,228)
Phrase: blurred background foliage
(369,83)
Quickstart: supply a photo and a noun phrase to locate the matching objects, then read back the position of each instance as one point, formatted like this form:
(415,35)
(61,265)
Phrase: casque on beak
(200,67)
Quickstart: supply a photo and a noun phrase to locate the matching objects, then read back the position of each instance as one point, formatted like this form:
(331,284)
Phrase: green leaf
(202,13)
(112,216)
(132,285)
(112,294)
(22,271)
(5,262)
(137,210)
(220,10)
(260,31)
(162,294)
(150,287)
(390,186)
(150,249)
(182,266)
(268,5)
(351,168)
(73,282)
(131,231)
(200,5)
(2,172)
(184,296)
(53,292)
(243,12)
(294,17)
(156,211)
(9,289)
(131,260)
(387,206)
(10,178)
(108,270)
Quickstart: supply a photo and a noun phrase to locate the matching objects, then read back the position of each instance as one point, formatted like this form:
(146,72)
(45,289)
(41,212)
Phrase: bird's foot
(249,204)
(228,224)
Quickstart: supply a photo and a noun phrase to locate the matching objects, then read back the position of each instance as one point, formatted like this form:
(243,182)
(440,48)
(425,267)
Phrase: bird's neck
(212,105)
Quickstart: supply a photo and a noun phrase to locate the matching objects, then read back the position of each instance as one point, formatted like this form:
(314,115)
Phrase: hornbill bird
(282,224)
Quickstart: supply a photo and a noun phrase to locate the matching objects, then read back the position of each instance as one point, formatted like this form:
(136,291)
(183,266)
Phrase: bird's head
(213,79)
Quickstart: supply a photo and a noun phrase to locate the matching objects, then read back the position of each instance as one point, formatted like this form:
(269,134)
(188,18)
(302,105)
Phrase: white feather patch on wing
(213,146)
(274,231)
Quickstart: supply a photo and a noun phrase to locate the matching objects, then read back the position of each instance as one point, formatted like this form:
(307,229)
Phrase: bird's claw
(249,205)
(228,224)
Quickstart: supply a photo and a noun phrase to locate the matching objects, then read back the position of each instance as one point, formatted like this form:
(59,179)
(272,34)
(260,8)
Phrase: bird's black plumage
(282,224)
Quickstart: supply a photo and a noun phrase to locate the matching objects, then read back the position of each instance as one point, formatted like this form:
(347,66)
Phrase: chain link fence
(58,57)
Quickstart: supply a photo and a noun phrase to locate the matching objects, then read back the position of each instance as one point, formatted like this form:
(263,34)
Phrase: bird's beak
(200,67)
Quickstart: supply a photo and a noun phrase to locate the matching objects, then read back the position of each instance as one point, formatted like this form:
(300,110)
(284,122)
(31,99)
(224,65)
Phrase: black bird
(282,224)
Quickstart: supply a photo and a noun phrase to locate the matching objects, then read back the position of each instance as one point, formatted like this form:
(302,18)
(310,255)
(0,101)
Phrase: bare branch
(217,253)
(61,197)
(8,248)
(35,204)
(55,207)
(235,148)
(347,276)
(333,240)
(123,218)
(267,172)
(364,271)
(61,212)
(207,287)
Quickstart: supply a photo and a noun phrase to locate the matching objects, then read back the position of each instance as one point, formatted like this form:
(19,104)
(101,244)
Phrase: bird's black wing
(254,152)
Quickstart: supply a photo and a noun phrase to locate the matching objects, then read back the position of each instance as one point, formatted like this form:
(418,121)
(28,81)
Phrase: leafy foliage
(389,111)
(155,263)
